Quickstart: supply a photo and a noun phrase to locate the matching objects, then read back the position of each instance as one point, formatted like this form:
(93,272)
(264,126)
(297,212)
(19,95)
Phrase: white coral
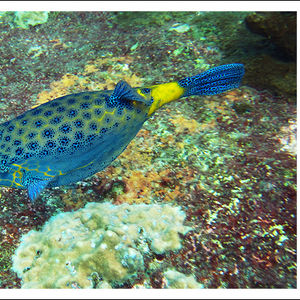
(104,239)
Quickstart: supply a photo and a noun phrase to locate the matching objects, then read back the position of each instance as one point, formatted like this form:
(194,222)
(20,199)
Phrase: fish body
(74,136)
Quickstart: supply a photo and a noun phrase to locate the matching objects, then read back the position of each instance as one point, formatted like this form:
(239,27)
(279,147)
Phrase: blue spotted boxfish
(72,137)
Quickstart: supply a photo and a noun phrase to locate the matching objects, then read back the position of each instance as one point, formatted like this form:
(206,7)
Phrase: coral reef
(228,160)
(99,240)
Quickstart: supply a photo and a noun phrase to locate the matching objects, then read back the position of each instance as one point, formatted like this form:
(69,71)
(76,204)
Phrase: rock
(278,27)
(266,72)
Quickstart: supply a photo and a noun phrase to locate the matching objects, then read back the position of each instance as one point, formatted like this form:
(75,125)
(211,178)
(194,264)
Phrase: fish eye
(146,91)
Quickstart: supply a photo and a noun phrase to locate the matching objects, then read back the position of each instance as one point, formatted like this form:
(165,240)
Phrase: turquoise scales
(72,137)
(77,126)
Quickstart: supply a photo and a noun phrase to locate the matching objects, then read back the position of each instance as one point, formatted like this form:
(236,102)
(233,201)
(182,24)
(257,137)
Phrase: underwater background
(218,173)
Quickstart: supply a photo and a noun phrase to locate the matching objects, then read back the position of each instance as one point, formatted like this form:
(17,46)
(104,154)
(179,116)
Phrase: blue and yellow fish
(72,137)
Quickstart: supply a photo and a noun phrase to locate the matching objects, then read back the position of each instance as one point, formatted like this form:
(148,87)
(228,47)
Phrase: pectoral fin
(36,187)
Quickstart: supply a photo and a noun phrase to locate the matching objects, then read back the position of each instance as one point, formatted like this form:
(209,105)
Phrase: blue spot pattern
(123,91)
(74,136)
(48,137)
(213,81)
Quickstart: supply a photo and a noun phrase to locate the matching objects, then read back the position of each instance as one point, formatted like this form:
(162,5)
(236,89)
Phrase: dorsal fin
(124,91)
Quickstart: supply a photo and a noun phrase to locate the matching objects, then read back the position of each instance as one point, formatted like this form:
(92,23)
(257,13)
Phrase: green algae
(24,19)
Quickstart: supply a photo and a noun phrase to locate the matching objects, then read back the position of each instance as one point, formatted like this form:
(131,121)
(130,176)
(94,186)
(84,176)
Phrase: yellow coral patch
(108,72)
(182,124)
(138,187)
(90,69)
(68,80)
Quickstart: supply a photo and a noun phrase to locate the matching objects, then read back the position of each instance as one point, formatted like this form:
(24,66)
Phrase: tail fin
(213,81)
